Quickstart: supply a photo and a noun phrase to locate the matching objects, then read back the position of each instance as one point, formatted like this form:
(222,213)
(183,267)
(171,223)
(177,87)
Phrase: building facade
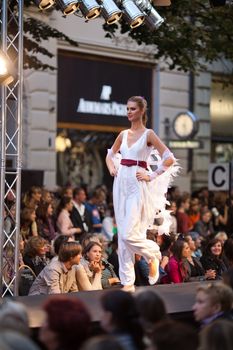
(73,114)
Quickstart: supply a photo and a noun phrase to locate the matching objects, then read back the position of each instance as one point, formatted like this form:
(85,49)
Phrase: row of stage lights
(135,12)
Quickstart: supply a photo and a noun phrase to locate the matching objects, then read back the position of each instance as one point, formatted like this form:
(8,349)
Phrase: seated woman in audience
(194,266)
(32,197)
(212,258)
(67,324)
(45,221)
(93,254)
(35,254)
(176,268)
(46,196)
(59,275)
(28,226)
(213,301)
(89,272)
(64,223)
(120,319)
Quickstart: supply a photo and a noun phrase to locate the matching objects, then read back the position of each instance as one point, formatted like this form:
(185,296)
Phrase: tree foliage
(194,33)
(35,32)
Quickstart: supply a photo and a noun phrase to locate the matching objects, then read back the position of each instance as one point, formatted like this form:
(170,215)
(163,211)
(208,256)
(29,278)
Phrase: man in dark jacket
(80,216)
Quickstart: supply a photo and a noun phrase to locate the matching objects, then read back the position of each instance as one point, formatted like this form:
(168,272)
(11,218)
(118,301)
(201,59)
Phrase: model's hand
(113,171)
(142,176)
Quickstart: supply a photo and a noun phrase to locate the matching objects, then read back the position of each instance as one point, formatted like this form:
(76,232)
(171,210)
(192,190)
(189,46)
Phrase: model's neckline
(135,141)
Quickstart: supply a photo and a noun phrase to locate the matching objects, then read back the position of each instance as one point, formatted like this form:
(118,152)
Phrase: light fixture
(152,20)
(62,143)
(134,16)
(89,8)
(110,11)
(6,70)
(68,6)
(44,4)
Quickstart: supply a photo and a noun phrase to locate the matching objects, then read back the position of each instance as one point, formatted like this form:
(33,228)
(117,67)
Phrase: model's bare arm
(166,155)
(155,141)
(109,158)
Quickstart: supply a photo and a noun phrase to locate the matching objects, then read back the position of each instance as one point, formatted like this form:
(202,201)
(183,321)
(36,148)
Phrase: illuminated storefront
(92,96)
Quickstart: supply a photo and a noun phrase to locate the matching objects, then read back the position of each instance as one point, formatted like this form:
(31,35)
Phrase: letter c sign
(218,177)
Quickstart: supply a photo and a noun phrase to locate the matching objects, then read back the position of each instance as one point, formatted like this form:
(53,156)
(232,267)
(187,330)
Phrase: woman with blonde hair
(134,192)
(28,225)
(34,254)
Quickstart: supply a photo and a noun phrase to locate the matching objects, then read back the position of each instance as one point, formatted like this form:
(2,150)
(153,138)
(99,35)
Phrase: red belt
(131,162)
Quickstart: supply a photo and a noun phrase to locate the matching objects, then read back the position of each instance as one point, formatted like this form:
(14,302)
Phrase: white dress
(135,206)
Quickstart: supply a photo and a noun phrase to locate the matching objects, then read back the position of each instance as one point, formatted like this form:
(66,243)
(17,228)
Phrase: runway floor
(178,298)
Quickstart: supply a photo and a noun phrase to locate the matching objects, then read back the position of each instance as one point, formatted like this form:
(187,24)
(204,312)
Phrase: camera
(215,212)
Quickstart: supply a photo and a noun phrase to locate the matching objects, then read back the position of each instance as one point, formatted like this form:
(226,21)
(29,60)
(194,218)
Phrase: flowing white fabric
(136,204)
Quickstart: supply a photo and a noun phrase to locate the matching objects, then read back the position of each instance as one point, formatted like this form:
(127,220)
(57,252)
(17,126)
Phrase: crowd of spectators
(199,247)
(68,242)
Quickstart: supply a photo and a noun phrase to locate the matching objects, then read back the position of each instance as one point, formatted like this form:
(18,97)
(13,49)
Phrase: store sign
(219,176)
(105,108)
(93,90)
(185,144)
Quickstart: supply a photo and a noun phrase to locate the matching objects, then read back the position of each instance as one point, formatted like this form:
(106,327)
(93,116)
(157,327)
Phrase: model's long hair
(142,104)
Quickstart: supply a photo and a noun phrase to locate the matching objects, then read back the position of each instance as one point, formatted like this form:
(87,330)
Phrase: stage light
(6,70)
(152,20)
(68,6)
(89,8)
(44,4)
(110,11)
(133,15)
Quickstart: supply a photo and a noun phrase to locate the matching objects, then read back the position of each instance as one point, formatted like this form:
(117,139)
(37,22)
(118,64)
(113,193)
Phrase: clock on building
(185,125)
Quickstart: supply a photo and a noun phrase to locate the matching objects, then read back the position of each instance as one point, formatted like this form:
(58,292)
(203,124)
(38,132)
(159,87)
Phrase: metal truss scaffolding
(11,22)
